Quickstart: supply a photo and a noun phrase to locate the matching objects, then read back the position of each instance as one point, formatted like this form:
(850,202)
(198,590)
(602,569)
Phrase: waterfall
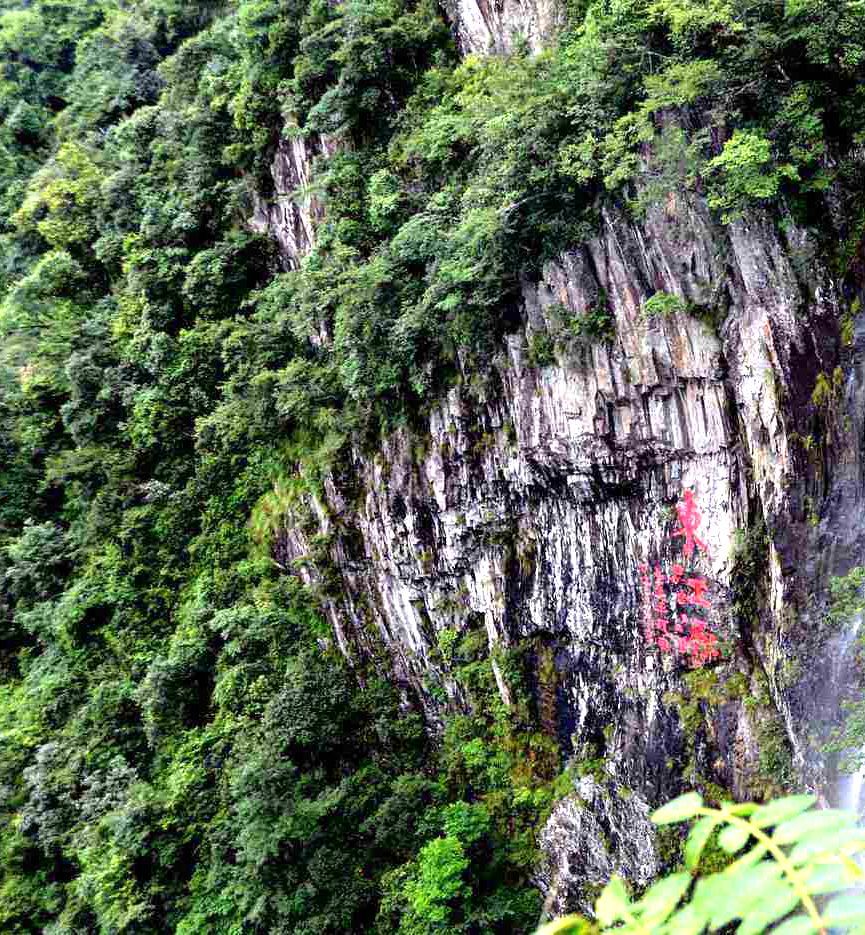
(848,789)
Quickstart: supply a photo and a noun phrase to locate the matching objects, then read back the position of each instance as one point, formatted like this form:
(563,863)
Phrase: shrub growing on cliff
(662,304)
(745,173)
(595,324)
(542,350)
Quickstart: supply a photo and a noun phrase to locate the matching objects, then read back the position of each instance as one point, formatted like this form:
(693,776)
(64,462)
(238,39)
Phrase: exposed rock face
(497,25)
(536,493)
(591,836)
(290,214)
(528,505)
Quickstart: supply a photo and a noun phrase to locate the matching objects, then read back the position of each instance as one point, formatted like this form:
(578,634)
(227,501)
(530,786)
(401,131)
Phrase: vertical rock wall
(485,26)
(525,509)
(528,505)
(289,214)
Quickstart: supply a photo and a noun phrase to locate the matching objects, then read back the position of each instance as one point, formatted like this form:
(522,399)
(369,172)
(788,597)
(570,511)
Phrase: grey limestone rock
(527,505)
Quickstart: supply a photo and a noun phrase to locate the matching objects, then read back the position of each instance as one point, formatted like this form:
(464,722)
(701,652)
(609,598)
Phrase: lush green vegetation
(177,751)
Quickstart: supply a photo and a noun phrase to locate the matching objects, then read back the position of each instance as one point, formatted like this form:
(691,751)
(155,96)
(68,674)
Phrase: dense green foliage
(180,747)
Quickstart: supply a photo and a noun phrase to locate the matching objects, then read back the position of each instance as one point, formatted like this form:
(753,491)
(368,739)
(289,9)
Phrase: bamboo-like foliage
(795,873)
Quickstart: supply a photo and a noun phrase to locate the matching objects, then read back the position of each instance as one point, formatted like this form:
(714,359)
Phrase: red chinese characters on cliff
(674,603)
(689,517)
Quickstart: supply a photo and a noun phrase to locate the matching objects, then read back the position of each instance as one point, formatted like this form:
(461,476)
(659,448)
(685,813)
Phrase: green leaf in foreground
(781,810)
(614,903)
(568,925)
(815,846)
(662,898)
(681,809)
(697,840)
(713,893)
(829,819)
(687,921)
(828,878)
(749,858)
(777,886)
(734,894)
(778,899)
(733,838)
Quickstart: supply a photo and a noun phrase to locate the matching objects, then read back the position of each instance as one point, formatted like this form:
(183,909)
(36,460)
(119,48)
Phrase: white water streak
(850,785)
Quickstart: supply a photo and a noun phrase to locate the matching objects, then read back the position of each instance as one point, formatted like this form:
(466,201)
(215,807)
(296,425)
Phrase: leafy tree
(439,883)
(746,174)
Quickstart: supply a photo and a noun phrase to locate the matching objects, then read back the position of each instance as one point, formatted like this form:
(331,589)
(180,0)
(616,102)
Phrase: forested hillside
(183,744)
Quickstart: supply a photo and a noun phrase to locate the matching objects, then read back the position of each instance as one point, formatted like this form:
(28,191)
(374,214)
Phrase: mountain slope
(364,368)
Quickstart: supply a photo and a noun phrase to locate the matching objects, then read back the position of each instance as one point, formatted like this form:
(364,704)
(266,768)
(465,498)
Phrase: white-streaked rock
(527,505)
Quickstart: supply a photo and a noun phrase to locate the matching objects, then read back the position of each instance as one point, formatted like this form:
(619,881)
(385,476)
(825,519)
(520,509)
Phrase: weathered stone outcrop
(289,214)
(592,835)
(528,504)
(522,512)
(485,26)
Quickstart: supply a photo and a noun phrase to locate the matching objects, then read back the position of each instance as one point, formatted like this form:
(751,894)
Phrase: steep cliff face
(528,506)
(510,424)
(289,214)
(536,505)
(592,835)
